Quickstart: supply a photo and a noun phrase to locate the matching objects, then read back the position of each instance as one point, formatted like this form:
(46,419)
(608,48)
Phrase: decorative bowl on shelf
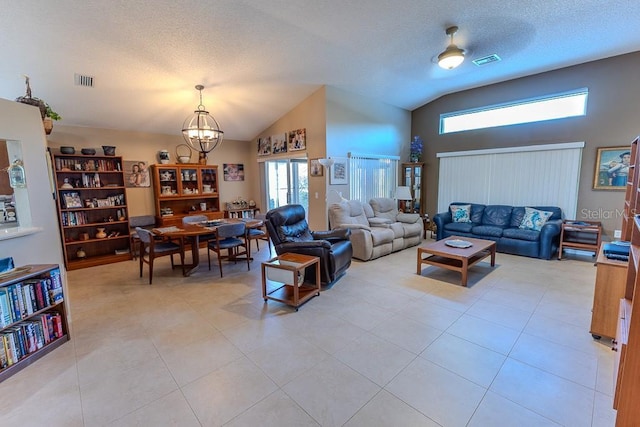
(88,151)
(109,150)
(67,150)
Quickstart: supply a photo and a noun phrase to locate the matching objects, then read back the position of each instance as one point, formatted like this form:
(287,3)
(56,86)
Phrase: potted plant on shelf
(48,115)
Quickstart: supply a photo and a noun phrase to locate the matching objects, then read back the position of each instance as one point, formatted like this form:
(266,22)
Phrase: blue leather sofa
(501,223)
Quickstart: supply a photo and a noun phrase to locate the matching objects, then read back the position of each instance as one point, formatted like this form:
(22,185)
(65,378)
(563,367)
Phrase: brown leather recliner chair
(289,232)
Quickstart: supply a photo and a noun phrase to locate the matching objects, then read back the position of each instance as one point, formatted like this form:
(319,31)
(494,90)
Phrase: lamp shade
(403,193)
(451,57)
(327,163)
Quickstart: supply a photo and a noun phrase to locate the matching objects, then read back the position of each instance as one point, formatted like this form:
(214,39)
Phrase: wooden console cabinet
(185,189)
(611,276)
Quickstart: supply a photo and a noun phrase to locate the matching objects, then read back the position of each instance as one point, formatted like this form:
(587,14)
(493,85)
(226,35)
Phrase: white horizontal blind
(520,176)
(372,176)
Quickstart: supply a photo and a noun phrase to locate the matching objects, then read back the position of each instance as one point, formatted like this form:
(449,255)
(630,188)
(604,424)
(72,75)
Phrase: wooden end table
(293,292)
(583,235)
(456,259)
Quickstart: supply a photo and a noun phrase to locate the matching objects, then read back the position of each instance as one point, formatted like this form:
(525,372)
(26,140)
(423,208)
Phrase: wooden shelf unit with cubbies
(90,194)
(185,189)
(41,321)
(627,340)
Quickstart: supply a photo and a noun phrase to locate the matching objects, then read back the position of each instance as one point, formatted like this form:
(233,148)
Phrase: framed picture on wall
(315,168)
(298,140)
(136,174)
(233,171)
(264,146)
(612,168)
(279,143)
(338,173)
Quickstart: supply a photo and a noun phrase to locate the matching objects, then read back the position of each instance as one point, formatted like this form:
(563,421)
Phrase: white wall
(20,122)
(358,124)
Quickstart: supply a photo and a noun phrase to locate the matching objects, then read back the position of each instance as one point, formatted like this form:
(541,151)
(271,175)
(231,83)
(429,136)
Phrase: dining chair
(150,249)
(259,233)
(229,237)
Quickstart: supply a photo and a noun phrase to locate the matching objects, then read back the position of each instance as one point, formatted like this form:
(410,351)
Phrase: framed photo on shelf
(279,143)
(315,168)
(612,168)
(338,173)
(264,146)
(298,140)
(72,200)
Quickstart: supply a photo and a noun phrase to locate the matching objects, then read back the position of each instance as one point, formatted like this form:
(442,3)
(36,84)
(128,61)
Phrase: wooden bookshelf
(90,193)
(26,318)
(627,340)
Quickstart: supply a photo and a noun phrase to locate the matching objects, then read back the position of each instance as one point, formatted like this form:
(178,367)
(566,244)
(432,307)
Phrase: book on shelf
(6,311)
(3,356)
(13,299)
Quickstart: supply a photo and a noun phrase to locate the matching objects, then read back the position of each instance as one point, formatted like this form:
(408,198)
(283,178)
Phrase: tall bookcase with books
(627,340)
(33,319)
(92,209)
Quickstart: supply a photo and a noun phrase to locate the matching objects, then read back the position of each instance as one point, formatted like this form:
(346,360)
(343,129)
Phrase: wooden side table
(583,235)
(286,271)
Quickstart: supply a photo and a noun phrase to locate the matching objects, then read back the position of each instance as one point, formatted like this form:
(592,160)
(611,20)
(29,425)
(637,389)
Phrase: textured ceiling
(258,59)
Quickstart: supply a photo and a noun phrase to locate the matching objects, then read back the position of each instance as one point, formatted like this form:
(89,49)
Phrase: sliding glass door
(287,182)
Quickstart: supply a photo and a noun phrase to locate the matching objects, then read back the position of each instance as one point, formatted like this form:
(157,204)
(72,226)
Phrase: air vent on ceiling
(82,80)
(486,60)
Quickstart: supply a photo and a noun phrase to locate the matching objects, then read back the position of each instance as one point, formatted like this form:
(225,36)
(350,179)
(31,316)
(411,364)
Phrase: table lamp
(403,193)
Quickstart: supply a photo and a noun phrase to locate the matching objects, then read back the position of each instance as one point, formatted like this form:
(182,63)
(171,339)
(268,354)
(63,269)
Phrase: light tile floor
(382,347)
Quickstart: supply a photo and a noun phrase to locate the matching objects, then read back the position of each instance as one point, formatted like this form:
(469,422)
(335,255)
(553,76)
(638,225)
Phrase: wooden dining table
(192,233)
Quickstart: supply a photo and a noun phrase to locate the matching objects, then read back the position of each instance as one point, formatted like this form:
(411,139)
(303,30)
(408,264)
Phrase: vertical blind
(372,176)
(540,175)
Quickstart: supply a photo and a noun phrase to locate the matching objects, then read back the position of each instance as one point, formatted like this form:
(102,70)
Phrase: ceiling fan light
(451,57)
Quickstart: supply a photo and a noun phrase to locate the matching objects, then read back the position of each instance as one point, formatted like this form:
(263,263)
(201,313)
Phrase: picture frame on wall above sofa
(338,173)
(612,168)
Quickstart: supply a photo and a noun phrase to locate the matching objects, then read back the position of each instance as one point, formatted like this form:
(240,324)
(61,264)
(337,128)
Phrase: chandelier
(202,131)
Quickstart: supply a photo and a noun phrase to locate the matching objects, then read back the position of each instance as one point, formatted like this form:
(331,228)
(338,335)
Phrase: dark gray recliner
(289,232)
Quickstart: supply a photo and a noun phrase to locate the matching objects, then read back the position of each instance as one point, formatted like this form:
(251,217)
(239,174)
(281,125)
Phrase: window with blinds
(372,176)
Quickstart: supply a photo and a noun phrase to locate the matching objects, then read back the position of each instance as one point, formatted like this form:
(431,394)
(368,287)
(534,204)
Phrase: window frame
(502,107)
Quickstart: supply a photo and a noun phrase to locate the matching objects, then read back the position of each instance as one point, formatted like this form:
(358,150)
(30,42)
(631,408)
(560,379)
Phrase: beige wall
(311,115)
(20,122)
(612,120)
(145,146)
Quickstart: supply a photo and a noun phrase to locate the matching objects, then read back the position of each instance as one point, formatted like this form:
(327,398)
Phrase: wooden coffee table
(456,259)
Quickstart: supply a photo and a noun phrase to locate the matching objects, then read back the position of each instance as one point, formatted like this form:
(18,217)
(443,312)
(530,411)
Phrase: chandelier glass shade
(201,131)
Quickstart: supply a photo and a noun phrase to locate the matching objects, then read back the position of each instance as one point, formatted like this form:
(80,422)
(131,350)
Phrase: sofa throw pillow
(534,219)
(461,213)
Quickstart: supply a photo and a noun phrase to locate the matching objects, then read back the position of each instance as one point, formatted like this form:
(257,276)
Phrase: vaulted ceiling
(259,58)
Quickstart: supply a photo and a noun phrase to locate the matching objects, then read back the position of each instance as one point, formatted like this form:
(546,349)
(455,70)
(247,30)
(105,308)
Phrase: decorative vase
(101,233)
(80,253)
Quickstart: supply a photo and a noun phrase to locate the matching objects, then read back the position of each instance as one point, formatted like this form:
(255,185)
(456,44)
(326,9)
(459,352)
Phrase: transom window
(557,106)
